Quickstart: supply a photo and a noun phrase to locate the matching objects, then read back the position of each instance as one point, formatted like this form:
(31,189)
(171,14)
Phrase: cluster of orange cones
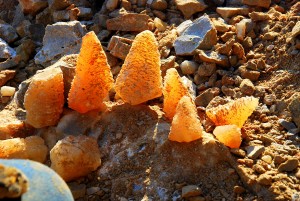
(139,81)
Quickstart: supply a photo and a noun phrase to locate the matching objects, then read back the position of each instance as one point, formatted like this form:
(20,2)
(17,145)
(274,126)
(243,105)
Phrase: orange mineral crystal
(140,77)
(173,91)
(230,135)
(235,112)
(44,99)
(93,78)
(186,126)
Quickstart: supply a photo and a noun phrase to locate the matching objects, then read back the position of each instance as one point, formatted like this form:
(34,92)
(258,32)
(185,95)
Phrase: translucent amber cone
(93,78)
(186,126)
(173,91)
(235,112)
(230,135)
(44,99)
(140,77)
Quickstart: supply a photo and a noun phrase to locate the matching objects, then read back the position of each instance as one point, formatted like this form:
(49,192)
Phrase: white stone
(7,91)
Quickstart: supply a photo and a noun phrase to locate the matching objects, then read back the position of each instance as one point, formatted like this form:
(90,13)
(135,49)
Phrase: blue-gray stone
(44,183)
(200,34)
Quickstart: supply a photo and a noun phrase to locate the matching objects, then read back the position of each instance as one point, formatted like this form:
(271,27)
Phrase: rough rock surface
(190,7)
(60,39)
(6,51)
(8,33)
(32,6)
(200,34)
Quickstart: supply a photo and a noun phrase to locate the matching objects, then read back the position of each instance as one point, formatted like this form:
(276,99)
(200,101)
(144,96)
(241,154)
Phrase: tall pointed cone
(235,112)
(93,78)
(186,126)
(173,91)
(140,77)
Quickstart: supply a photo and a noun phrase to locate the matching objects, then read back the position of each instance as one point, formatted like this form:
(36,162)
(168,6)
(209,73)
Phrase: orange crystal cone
(173,91)
(186,126)
(140,77)
(235,112)
(44,99)
(93,78)
(230,135)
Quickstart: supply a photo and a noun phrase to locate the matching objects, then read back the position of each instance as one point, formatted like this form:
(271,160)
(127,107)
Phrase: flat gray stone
(6,51)
(254,152)
(200,34)
(61,38)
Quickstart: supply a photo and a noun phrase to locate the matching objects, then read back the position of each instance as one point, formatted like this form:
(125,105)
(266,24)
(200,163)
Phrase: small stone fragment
(286,124)
(7,91)
(259,16)
(8,33)
(260,3)
(192,38)
(119,47)
(220,25)
(254,152)
(267,158)
(213,57)
(173,90)
(188,67)
(206,96)
(6,75)
(235,112)
(32,148)
(190,191)
(93,78)
(73,157)
(227,12)
(13,182)
(265,179)
(206,69)
(140,77)
(159,5)
(44,98)
(32,6)
(294,108)
(289,165)
(252,75)
(6,51)
(247,87)
(229,135)
(112,4)
(186,126)
(238,152)
(190,7)
(239,189)
(129,22)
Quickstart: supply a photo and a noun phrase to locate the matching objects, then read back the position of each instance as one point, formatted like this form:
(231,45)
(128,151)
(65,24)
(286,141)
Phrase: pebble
(267,159)
(270,47)
(92,190)
(269,99)
(298,174)
(206,69)
(7,91)
(265,179)
(238,189)
(259,169)
(188,67)
(159,5)
(288,165)
(238,152)
(190,191)
(247,87)
(278,159)
(254,152)
(266,125)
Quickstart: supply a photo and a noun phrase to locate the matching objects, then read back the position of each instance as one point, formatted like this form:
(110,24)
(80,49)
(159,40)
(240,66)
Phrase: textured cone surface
(173,91)
(230,135)
(186,126)
(44,98)
(93,78)
(140,78)
(235,112)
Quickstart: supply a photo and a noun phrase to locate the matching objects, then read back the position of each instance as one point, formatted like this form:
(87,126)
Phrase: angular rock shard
(32,148)
(186,126)
(44,99)
(174,89)
(74,157)
(230,135)
(233,113)
(140,77)
(190,7)
(93,78)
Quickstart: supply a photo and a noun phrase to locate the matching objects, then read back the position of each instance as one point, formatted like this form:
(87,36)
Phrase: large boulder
(61,38)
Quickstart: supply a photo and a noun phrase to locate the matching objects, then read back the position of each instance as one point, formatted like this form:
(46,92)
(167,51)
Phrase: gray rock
(61,38)
(190,86)
(289,165)
(85,13)
(183,26)
(8,33)
(286,124)
(200,34)
(19,95)
(254,152)
(213,57)
(6,52)
(92,190)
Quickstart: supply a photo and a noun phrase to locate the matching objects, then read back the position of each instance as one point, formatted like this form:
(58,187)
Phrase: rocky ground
(243,48)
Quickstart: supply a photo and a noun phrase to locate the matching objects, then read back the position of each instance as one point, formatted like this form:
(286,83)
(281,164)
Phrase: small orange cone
(140,77)
(186,126)
(230,135)
(173,91)
(93,78)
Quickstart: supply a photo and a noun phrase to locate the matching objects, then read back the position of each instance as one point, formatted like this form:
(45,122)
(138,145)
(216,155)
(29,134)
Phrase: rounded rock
(188,67)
